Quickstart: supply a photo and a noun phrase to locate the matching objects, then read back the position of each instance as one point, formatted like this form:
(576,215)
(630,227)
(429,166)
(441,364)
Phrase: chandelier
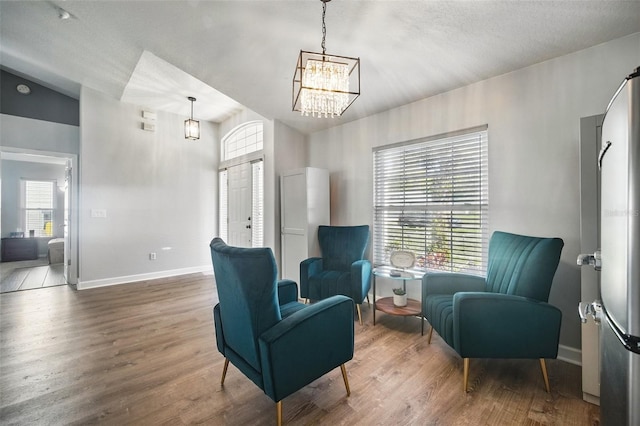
(325,85)
(191,126)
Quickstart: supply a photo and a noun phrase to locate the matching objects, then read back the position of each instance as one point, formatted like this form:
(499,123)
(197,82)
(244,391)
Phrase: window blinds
(431,197)
(38,207)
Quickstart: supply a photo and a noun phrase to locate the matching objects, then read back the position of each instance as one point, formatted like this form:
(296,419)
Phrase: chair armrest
(360,279)
(306,345)
(308,268)
(287,292)
(495,325)
(450,283)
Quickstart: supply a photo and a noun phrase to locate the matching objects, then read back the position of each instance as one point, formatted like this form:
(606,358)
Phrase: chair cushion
(329,283)
(438,310)
(290,308)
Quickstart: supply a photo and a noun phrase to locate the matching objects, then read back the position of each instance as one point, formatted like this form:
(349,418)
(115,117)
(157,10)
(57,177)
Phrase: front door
(239,205)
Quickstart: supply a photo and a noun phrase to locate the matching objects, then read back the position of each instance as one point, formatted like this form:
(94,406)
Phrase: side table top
(388,271)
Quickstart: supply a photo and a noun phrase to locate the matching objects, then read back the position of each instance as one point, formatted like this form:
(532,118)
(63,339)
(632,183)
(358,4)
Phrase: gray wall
(534,119)
(158,189)
(41,104)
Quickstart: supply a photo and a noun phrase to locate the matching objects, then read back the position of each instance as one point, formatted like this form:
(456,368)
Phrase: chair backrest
(246,280)
(522,265)
(342,245)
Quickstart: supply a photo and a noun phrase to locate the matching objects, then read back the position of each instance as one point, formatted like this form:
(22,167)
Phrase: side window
(38,198)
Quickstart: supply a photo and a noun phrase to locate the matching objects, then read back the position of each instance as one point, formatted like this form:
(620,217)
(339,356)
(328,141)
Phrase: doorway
(41,270)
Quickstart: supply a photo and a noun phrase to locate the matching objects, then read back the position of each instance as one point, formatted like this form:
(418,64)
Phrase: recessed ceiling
(247,50)
(157,85)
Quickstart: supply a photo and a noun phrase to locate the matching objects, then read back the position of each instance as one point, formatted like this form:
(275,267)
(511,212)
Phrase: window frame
(25,209)
(445,222)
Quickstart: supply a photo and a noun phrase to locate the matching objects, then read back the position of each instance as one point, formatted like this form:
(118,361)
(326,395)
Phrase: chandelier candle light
(191,126)
(325,85)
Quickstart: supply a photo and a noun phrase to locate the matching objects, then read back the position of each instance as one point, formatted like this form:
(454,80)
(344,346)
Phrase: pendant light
(191,126)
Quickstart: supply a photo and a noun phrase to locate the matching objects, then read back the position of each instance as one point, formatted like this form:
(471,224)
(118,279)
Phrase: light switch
(99,213)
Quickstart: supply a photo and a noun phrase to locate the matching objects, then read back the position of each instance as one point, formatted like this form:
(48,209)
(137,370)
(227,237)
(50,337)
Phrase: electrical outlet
(152,256)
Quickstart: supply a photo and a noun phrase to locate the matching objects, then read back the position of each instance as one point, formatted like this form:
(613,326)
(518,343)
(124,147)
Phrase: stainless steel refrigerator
(618,258)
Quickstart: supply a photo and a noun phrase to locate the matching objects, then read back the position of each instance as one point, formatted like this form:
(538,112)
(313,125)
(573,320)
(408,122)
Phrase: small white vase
(400,300)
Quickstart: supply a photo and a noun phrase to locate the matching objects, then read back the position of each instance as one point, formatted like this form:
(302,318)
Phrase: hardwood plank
(55,275)
(145,353)
(35,278)
(13,281)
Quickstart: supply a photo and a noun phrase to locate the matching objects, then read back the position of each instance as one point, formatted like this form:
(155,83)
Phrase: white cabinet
(304,205)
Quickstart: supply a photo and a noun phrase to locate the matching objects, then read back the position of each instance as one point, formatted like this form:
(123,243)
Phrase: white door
(70,268)
(239,205)
(294,223)
(590,142)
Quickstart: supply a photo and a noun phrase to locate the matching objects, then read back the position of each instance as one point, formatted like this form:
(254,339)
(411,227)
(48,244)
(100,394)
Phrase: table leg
(374,299)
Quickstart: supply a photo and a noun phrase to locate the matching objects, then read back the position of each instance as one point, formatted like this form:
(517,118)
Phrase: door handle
(590,259)
(594,309)
(603,151)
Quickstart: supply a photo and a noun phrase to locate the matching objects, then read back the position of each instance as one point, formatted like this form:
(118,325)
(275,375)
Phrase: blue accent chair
(342,269)
(506,314)
(261,328)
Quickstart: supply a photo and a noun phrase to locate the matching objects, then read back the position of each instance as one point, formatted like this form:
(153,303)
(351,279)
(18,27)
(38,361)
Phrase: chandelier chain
(324,26)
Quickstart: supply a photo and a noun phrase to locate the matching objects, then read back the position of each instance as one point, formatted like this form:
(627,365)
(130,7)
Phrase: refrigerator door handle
(630,342)
(603,151)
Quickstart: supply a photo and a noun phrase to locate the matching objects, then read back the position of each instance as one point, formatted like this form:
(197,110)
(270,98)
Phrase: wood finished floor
(30,274)
(145,354)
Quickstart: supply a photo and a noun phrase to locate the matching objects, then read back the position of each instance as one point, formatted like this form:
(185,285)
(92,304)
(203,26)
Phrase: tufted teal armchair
(502,315)
(342,269)
(261,328)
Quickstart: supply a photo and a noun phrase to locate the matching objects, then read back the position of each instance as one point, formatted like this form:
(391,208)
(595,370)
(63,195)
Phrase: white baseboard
(570,355)
(83,285)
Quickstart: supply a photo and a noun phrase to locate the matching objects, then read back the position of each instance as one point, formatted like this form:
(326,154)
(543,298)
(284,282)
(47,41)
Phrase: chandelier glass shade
(325,85)
(191,126)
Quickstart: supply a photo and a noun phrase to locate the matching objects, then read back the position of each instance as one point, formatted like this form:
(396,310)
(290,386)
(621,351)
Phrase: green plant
(399,291)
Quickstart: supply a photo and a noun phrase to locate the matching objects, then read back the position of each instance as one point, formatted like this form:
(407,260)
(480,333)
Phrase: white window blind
(431,197)
(38,205)
(223,206)
(257,204)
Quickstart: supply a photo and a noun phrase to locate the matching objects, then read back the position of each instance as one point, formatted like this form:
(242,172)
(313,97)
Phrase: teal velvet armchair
(261,328)
(342,269)
(502,315)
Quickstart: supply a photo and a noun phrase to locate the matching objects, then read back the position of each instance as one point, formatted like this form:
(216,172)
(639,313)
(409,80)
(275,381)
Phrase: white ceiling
(246,51)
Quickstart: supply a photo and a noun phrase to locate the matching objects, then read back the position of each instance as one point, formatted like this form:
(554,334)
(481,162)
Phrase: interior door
(590,142)
(67,218)
(294,223)
(239,205)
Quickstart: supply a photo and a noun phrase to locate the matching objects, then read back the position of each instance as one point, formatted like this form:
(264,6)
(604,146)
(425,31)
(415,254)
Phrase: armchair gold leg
(465,375)
(430,333)
(359,314)
(224,371)
(543,366)
(279,413)
(346,380)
